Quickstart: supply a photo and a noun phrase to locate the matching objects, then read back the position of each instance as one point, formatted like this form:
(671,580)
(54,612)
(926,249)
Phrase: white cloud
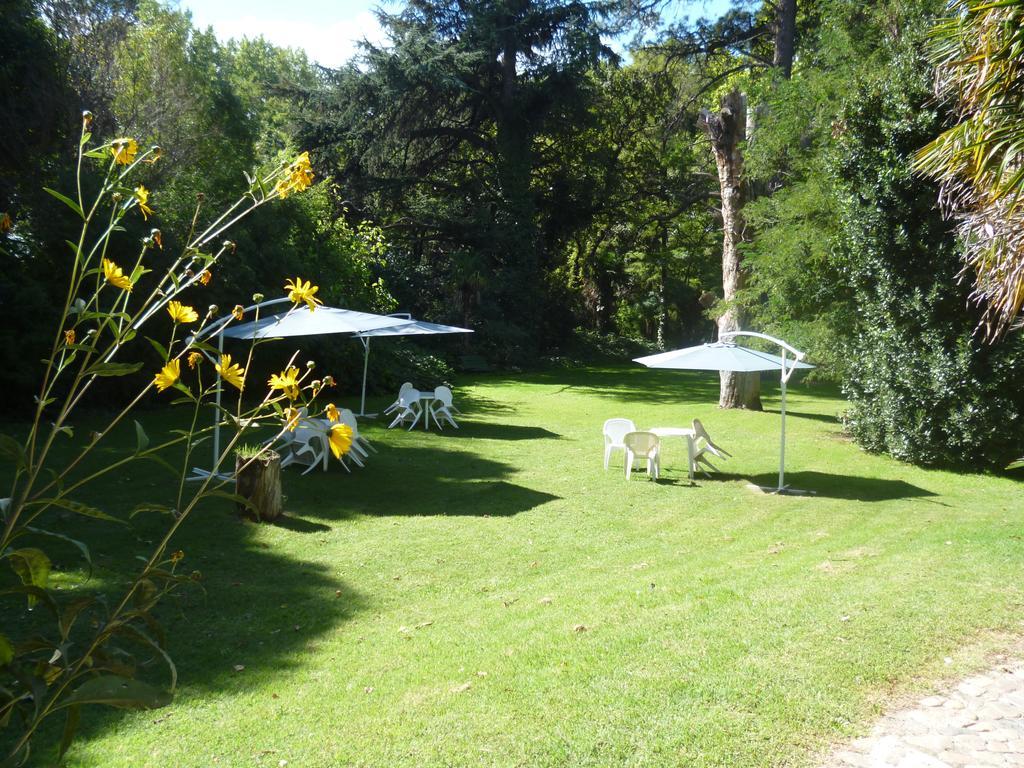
(329,44)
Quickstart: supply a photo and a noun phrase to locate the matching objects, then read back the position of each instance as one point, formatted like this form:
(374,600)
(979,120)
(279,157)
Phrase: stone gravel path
(977,724)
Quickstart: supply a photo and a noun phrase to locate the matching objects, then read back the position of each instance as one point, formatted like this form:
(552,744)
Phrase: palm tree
(979,56)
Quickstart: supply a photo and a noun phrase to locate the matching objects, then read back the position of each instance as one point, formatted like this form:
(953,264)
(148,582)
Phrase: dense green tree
(638,259)
(922,386)
(452,134)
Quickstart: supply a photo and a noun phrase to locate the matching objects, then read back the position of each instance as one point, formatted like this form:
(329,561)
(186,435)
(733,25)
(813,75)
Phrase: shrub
(922,387)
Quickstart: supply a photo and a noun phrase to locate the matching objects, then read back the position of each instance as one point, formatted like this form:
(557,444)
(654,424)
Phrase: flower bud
(311,364)
(257,298)
(213,310)
(229,245)
(86,118)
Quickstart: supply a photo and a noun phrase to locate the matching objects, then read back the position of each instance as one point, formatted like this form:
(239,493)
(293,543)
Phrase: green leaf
(141,438)
(82,547)
(1016,464)
(33,568)
(11,450)
(113,369)
(70,728)
(204,347)
(121,692)
(163,509)
(161,350)
(86,135)
(70,613)
(162,462)
(6,651)
(67,201)
(137,634)
(97,154)
(35,594)
(233,497)
(74,506)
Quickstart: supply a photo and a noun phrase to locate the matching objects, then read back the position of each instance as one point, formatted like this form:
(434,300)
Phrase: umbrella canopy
(729,356)
(407,327)
(304,322)
(413,328)
(719,356)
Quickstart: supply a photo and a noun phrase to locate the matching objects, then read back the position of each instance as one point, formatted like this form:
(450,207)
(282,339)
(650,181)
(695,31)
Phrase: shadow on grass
(258,608)
(627,384)
(830,486)
(822,417)
(299,525)
(490,431)
(415,480)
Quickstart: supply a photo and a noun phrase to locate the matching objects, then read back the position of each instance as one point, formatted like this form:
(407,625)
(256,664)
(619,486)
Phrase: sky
(328,30)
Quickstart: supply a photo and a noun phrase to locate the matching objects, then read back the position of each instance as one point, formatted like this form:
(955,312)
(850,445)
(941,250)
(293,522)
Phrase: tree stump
(259,481)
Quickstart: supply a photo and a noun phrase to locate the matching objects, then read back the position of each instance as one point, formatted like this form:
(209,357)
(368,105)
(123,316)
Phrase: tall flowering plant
(87,655)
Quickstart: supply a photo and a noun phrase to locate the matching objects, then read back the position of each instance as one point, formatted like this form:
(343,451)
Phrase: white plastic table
(684,432)
(425,399)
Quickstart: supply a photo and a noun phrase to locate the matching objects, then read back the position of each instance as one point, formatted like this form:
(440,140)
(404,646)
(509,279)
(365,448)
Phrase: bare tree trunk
(726,129)
(785,36)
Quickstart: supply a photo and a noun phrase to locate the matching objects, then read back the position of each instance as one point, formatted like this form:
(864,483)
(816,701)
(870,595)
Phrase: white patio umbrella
(408,328)
(297,322)
(725,355)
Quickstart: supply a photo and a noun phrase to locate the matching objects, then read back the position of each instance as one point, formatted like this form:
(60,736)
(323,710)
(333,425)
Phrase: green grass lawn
(492,596)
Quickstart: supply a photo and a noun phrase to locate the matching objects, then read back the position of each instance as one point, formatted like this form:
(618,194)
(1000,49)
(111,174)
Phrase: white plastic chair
(311,438)
(703,444)
(409,407)
(643,446)
(614,431)
(443,389)
(285,444)
(401,391)
(345,416)
(442,406)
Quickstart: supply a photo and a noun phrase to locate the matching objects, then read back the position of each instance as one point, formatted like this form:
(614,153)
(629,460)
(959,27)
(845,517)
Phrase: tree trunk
(516,244)
(785,36)
(726,130)
(259,481)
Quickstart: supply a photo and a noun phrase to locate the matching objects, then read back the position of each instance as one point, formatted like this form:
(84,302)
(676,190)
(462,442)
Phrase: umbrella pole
(782,442)
(366,363)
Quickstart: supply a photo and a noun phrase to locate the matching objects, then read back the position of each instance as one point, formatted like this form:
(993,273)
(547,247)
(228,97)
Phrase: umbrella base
(203,474)
(783,491)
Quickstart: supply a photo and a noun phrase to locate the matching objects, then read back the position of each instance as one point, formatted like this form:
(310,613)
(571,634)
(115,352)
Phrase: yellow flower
(194,358)
(169,374)
(332,412)
(116,276)
(238,312)
(303,291)
(291,418)
(340,439)
(142,195)
(69,337)
(124,150)
(287,381)
(6,223)
(206,277)
(298,176)
(180,313)
(232,373)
